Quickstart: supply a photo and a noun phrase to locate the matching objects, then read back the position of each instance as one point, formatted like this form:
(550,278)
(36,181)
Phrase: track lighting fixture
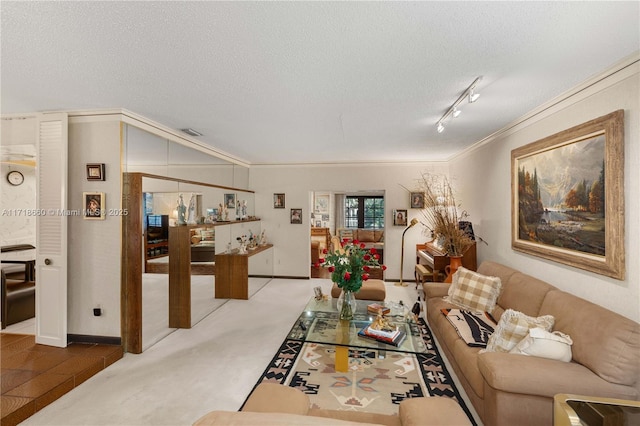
(454,109)
(473,97)
(191,132)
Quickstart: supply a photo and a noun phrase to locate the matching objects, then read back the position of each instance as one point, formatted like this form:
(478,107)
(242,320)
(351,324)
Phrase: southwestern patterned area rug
(377,380)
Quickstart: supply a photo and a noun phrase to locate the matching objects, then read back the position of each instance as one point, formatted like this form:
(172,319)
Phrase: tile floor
(212,366)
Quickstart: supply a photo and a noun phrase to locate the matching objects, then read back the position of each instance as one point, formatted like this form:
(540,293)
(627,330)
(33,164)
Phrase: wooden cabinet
(159,248)
(324,235)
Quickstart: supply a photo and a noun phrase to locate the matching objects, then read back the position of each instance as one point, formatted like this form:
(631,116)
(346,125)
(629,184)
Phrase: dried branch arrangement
(440,212)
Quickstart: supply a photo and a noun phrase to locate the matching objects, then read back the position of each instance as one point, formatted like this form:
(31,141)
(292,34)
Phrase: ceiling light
(453,109)
(191,132)
(472,97)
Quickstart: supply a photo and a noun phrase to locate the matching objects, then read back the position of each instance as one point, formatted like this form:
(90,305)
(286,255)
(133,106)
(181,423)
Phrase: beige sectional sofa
(510,389)
(275,404)
(371,238)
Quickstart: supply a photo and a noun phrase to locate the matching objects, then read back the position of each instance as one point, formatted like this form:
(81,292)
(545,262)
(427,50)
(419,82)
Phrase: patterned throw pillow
(513,327)
(473,291)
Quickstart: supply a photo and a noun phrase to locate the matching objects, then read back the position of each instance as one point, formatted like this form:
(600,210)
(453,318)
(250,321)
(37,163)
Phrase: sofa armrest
(435,289)
(433,410)
(522,374)
(277,398)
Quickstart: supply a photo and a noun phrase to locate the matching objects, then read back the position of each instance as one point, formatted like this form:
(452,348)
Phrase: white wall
(292,251)
(94,245)
(486,174)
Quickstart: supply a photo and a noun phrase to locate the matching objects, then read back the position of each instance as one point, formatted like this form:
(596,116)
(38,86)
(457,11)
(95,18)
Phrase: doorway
(18,202)
(345,215)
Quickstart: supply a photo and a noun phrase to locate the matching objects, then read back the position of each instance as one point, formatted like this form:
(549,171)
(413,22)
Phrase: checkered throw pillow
(513,327)
(473,291)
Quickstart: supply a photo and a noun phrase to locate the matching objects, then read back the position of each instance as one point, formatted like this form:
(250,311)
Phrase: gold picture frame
(93,205)
(568,197)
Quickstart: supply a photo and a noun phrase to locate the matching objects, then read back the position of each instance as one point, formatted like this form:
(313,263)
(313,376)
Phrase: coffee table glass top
(319,323)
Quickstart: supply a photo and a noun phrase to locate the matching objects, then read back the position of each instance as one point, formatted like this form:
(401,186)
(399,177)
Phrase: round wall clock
(15,178)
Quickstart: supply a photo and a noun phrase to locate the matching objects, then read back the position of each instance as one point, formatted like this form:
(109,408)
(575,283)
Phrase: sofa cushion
(513,327)
(526,375)
(378,236)
(523,293)
(274,397)
(355,416)
(494,269)
(544,344)
(605,342)
(366,236)
(348,234)
(467,360)
(436,410)
(474,291)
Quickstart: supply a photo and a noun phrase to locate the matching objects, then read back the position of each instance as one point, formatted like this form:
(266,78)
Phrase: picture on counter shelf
(230,201)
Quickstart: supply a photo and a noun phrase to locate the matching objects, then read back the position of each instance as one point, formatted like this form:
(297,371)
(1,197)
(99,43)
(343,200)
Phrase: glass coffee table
(320,323)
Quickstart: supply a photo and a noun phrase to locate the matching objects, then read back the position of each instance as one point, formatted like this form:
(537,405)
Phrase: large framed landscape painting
(568,196)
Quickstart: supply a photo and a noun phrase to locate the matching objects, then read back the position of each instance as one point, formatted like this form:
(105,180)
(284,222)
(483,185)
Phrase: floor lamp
(414,222)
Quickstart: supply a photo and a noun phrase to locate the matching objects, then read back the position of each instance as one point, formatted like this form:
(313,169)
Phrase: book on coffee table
(394,337)
(376,308)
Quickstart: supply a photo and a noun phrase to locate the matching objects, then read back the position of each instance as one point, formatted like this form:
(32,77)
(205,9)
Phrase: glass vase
(346,305)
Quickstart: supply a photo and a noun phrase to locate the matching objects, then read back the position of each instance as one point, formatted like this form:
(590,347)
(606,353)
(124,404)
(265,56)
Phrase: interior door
(51,230)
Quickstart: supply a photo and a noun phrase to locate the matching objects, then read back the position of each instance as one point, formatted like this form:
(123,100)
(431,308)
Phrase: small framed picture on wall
(296,216)
(417,200)
(278,201)
(400,217)
(95,171)
(94,205)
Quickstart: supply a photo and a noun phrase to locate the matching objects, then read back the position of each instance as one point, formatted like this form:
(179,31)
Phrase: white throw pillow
(513,327)
(473,291)
(543,344)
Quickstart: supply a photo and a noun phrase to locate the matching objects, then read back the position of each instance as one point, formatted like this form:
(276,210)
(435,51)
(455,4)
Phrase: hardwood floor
(35,375)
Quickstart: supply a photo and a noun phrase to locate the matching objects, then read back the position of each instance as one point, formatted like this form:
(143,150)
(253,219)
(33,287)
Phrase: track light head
(191,132)
(453,110)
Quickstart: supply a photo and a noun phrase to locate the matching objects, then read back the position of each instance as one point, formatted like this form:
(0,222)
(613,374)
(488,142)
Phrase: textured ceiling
(297,82)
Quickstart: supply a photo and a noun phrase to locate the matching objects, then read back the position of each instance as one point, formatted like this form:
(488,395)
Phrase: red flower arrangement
(350,266)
